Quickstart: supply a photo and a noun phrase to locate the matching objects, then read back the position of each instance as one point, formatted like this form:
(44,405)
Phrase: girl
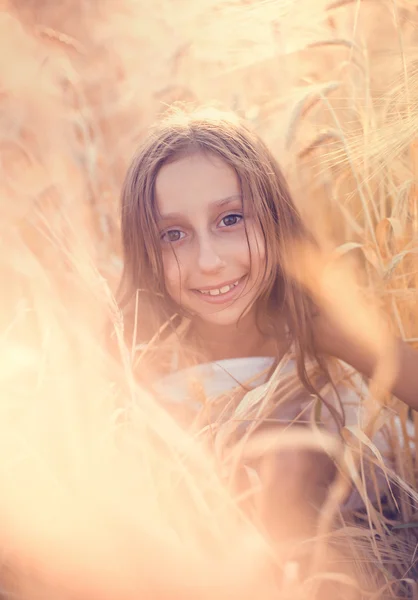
(209,232)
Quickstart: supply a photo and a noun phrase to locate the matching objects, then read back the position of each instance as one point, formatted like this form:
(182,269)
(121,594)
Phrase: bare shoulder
(328,337)
(334,339)
(362,348)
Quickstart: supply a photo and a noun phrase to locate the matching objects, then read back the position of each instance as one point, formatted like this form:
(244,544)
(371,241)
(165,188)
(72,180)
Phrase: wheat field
(103,496)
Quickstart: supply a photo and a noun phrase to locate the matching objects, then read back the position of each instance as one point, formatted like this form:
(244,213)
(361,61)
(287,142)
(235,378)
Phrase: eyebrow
(216,204)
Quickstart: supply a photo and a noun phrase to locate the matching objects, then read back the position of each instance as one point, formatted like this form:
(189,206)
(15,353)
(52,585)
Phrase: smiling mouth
(220,291)
(225,293)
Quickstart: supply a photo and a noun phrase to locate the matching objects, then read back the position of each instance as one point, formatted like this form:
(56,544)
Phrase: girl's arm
(333,340)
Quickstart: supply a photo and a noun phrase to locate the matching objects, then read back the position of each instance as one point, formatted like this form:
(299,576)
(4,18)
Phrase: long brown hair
(262,184)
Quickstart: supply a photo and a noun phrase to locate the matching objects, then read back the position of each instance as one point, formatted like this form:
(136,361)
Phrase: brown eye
(172,236)
(231,220)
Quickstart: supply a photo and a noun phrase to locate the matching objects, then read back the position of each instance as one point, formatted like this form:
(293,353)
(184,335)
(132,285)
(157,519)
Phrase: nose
(209,258)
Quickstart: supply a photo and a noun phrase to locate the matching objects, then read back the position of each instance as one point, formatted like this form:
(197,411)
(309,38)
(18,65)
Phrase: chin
(223,318)
(222,322)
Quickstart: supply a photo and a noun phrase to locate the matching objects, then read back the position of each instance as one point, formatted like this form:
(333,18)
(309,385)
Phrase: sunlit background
(90,504)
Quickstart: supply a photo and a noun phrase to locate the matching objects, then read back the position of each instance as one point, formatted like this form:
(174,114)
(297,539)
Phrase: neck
(243,339)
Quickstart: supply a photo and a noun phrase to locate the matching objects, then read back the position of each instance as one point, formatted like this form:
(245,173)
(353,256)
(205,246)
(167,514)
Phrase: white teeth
(222,290)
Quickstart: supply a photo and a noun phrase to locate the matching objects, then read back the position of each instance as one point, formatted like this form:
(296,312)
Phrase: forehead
(194,181)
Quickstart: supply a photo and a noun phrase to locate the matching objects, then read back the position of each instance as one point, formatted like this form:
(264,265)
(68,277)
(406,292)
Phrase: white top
(219,378)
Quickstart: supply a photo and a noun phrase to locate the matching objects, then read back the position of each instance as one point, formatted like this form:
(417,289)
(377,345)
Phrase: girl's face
(206,246)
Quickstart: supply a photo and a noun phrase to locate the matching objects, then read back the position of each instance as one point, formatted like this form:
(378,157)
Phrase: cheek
(172,273)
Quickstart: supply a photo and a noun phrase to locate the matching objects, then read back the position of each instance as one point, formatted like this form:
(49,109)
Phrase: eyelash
(167,233)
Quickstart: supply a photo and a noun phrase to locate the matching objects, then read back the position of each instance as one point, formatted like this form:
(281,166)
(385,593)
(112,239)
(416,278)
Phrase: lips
(215,287)
(224,292)
(221,290)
